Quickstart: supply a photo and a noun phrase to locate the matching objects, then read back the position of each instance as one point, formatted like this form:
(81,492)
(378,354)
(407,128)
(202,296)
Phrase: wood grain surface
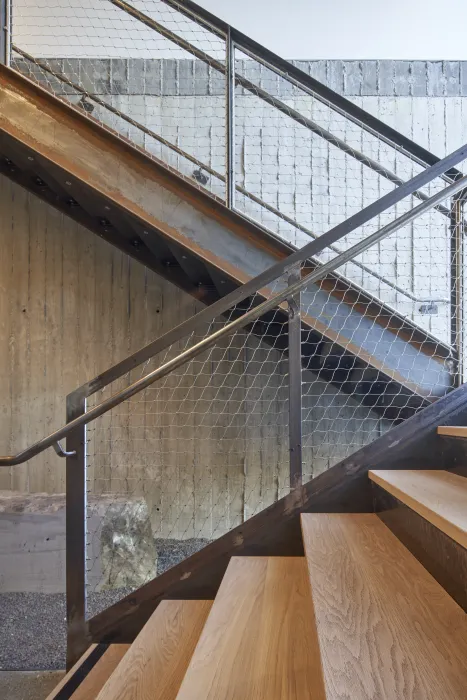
(386,629)
(276,530)
(453,431)
(156,663)
(97,676)
(438,496)
(260,638)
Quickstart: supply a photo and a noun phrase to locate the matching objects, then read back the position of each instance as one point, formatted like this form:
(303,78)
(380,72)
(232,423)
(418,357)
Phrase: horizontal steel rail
(247,318)
(263,279)
(294,74)
(187,156)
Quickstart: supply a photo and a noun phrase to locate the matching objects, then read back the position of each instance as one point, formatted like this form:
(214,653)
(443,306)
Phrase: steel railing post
(457,286)
(76,532)
(5,33)
(230,121)
(295,383)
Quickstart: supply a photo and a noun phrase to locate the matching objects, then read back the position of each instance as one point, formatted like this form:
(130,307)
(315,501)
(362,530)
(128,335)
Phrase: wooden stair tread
(95,679)
(260,639)
(387,630)
(158,658)
(438,496)
(453,430)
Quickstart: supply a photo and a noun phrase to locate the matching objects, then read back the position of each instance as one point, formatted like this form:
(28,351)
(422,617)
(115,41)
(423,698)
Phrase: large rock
(120,545)
(128,552)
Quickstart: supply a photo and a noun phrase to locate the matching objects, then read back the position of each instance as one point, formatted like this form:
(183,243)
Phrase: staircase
(190,238)
(357,616)
(347,585)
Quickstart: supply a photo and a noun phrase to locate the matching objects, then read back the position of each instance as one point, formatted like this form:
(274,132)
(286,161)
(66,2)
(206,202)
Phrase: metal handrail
(250,316)
(259,282)
(356,114)
(220,176)
(267,97)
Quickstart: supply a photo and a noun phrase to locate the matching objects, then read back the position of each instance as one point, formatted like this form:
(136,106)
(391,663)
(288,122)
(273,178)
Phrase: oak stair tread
(260,638)
(438,496)
(453,430)
(158,658)
(387,630)
(89,683)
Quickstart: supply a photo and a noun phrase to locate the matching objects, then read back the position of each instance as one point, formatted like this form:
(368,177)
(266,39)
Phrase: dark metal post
(295,385)
(5,26)
(230,121)
(457,286)
(76,532)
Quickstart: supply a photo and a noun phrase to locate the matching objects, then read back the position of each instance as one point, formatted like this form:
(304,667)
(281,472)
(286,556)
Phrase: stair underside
(438,496)
(135,203)
(386,629)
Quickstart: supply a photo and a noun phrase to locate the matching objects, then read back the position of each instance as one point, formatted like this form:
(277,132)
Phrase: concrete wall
(70,306)
(207,447)
(293,170)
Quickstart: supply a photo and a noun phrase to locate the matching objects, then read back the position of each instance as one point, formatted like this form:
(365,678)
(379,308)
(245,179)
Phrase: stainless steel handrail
(261,281)
(250,316)
(266,97)
(281,66)
(222,178)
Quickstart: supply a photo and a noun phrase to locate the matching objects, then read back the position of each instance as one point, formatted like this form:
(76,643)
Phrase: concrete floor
(28,685)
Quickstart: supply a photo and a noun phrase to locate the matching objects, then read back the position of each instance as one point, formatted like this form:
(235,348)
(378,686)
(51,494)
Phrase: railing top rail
(258,283)
(263,279)
(43,65)
(267,97)
(340,103)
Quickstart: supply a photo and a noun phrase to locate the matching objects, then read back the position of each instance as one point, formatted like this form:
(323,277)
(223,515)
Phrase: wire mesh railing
(196,454)
(209,105)
(188,458)
(272,384)
(209,445)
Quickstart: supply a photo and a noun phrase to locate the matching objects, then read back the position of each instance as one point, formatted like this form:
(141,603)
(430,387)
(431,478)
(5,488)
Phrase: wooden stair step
(260,639)
(387,630)
(91,671)
(459,431)
(158,658)
(438,496)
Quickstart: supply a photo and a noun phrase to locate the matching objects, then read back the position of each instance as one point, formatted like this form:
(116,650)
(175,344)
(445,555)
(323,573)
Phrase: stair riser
(440,555)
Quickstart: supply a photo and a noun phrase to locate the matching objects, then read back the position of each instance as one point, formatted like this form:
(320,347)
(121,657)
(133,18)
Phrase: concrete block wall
(188,77)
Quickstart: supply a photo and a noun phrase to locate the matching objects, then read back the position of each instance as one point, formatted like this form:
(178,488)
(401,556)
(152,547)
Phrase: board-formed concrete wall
(207,448)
